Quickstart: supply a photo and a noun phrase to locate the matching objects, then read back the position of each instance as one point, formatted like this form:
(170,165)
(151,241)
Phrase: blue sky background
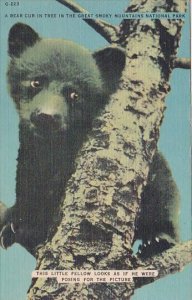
(16,263)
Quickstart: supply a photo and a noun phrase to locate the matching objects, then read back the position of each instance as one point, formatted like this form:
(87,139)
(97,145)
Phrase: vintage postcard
(95,177)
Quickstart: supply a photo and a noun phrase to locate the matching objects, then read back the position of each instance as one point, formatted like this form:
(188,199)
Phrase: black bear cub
(58,88)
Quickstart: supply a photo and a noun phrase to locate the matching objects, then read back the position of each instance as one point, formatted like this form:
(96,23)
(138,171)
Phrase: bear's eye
(35,84)
(74,96)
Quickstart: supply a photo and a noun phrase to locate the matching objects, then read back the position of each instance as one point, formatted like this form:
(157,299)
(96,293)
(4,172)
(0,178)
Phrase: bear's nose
(45,121)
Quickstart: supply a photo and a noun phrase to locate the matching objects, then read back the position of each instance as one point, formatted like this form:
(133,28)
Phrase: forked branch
(168,262)
(105,29)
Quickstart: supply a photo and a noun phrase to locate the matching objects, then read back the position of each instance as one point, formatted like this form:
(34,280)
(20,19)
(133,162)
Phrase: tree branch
(168,262)
(183,63)
(106,30)
(103,196)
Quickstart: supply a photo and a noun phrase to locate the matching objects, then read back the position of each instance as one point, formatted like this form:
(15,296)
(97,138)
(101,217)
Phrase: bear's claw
(13,228)
(153,247)
(7,236)
(2,243)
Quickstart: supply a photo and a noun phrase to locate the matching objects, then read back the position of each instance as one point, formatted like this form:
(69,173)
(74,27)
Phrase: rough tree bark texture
(103,196)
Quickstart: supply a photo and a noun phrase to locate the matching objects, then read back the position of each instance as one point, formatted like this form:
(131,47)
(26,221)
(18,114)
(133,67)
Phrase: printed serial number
(12,3)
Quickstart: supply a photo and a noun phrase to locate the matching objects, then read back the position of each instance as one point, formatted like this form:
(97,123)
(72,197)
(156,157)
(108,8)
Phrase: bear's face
(56,84)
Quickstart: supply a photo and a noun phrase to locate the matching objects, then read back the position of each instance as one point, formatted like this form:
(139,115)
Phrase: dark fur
(53,127)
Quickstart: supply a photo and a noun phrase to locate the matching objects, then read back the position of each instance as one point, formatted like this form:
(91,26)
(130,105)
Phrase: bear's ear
(111,62)
(21,36)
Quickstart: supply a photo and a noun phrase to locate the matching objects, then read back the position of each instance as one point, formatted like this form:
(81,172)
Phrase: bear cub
(58,88)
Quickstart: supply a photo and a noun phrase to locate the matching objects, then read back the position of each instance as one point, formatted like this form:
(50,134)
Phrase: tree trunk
(102,198)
